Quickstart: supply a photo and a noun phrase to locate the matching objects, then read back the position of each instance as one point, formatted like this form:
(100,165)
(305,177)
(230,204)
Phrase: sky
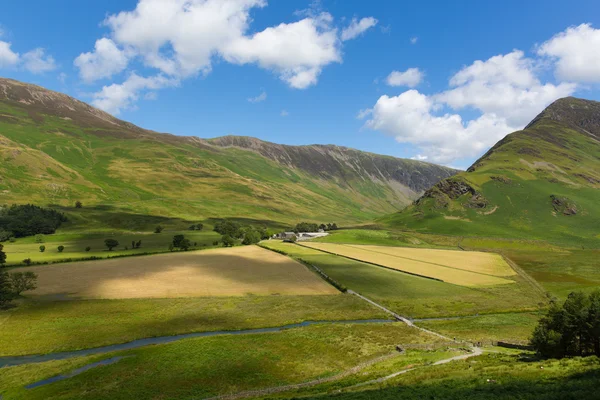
(435,81)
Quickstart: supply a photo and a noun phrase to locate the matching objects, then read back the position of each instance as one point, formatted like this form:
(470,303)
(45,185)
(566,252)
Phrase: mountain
(540,183)
(56,150)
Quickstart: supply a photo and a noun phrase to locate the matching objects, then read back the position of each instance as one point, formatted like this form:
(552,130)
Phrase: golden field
(234,271)
(458,267)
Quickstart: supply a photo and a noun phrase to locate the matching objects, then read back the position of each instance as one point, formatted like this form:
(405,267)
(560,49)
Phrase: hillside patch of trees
(28,220)
(312,227)
(572,329)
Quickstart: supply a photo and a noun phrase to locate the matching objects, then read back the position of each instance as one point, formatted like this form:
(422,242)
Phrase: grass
(491,376)
(412,296)
(52,326)
(76,243)
(204,367)
(560,272)
(508,327)
(471,269)
(220,272)
(375,237)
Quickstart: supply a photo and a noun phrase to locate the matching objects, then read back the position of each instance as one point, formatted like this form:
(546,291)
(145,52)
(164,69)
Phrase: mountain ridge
(58,149)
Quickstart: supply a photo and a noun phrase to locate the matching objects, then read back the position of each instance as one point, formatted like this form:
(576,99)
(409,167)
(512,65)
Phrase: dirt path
(279,389)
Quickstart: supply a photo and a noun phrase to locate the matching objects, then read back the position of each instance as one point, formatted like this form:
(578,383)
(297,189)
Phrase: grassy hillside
(56,150)
(539,183)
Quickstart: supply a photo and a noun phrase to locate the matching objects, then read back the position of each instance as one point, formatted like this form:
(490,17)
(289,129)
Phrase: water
(20,360)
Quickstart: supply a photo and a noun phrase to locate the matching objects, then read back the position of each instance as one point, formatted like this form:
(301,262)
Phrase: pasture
(472,269)
(234,271)
(414,296)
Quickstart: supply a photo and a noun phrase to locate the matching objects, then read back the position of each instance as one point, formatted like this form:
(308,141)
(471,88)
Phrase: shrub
(251,237)
(111,243)
(22,281)
(42,248)
(39,238)
(228,241)
(2,255)
(60,248)
(78,204)
(138,244)
(27,261)
(88,248)
(158,229)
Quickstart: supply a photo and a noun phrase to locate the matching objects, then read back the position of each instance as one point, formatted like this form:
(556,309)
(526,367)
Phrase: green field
(509,327)
(51,326)
(413,296)
(199,368)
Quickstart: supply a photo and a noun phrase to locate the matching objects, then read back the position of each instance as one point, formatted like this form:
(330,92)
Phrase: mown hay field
(221,272)
(457,267)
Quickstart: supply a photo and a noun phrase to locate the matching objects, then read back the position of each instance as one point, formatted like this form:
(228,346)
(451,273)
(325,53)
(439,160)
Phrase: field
(40,327)
(414,296)
(200,368)
(220,272)
(76,243)
(472,269)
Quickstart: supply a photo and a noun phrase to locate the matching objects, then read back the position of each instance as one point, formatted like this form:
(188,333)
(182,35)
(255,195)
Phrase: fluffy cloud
(8,58)
(414,40)
(357,28)
(117,97)
(105,61)
(261,97)
(504,89)
(411,78)
(183,38)
(576,52)
(35,61)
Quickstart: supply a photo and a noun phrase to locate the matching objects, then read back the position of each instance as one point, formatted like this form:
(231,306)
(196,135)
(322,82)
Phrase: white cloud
(8,58)
(419,157)
(261,97)
(62,77)
(411,78)
(414,40)
(284,113)
(37,61)
(362,114)
(117,97)
(503,89)
(504,85)
(297,52)
(105,61)
(357,28)
(576,52)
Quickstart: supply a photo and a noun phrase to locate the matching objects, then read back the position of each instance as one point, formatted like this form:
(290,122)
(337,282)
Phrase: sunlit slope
(539,183)
(56,149)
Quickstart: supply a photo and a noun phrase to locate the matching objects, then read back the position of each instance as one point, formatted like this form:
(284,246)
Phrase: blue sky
(433,80)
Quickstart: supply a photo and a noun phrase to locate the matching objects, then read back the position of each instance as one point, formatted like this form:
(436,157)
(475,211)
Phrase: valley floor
(348,360)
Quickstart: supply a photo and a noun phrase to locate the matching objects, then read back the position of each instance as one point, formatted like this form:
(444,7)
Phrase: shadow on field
(488,386)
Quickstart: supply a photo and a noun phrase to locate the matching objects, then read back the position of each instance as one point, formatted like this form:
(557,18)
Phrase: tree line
(28,220)
(570,329)
(232,231)
(313,227)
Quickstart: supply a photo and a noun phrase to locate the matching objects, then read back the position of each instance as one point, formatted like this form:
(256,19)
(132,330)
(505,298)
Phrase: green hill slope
(539,183)
(56,150)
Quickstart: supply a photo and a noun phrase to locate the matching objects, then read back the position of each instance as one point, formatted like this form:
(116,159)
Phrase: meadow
(247,270)
(200,368)
(42,326)
(472,269)
(413,296)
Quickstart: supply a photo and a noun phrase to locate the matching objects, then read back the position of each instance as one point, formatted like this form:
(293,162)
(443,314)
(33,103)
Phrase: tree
(5,235)
(323,227)
(138,244)
(42,248)
(22,282)
(228,241)
(39,238)
(111,243)
(572,329)
(88,248)
(27,261)
(251,237)
(60,248)
(199,227)
(180,242)
(158,229)
(6,292)
(2,255)
(192,227)
(133,244)
(334,226)
(229,228)
(78,204)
